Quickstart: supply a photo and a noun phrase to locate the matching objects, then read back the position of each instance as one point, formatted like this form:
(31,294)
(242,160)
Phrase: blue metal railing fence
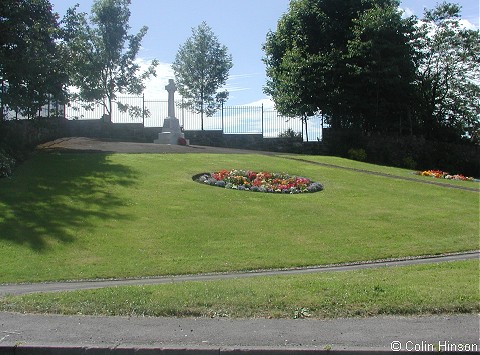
(246,119)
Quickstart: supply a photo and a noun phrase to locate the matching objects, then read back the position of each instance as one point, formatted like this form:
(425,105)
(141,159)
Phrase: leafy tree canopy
(31,67)
(345,59)
(381,69)
(448,76)
(103,54)
(201,68)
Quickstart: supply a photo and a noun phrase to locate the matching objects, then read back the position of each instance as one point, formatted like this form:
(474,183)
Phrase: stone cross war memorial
(171,130)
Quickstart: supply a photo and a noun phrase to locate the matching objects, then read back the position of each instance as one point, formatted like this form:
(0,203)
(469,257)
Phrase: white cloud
(406,12)
(234,82)
(467,24)
(155,86)
(233,88)
(266,102)
(240,76)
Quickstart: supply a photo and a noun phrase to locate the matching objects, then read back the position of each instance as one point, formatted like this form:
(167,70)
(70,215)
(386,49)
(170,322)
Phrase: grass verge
(450,287)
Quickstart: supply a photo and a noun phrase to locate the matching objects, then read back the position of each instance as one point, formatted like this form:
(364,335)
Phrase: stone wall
(130,132)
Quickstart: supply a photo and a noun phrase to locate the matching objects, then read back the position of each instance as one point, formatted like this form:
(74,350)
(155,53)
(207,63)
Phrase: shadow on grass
(52,195)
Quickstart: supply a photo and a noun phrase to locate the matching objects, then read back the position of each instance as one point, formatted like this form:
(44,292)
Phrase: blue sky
(241,25)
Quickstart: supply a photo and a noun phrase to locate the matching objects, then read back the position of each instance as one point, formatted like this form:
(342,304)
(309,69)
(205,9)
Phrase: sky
(240,25)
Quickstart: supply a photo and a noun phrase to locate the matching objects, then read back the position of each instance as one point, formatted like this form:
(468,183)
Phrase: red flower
(251,175)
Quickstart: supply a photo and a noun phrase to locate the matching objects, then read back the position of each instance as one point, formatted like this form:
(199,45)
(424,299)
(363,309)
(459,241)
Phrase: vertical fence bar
(143,109)
(183,115)
(262,120)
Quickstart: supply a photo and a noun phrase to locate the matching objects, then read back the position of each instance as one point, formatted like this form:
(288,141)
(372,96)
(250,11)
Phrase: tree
(201,67)
(103,54)
(380,59)
(448,105)
(325,55)
(31,67)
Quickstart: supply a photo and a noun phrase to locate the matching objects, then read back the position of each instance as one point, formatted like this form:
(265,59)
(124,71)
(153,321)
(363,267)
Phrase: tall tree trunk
(201,109)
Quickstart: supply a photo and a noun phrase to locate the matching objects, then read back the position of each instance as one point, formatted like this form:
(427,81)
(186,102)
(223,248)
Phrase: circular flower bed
(259,181)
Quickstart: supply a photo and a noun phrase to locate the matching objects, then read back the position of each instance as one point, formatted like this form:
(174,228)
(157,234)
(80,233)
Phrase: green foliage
(102,54)
(448,103)
(346,59)
(7,164)
(291,134)
(201,67)
(408,151)
(32,69)
(367,68)
(357,154)
(409,163)
(379,63)
(301,313)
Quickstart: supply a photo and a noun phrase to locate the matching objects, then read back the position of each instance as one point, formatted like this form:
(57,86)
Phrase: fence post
(306,128)
(222,119)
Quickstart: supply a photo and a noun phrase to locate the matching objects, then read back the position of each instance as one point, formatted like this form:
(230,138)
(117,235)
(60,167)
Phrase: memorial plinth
(171,130)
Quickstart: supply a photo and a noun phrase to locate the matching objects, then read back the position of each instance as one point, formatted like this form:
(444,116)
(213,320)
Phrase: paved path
(81,144)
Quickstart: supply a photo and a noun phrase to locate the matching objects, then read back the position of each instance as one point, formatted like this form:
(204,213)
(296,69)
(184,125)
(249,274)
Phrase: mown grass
(82,216)
(422,289)
(393,171)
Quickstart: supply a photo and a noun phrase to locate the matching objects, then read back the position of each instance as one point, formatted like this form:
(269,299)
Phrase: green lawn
(82,216)
(450,287)
(396,172)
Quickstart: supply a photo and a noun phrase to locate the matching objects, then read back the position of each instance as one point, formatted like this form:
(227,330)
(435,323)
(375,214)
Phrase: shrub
(7,164)
(291,134)
(357,154)
(409,163)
